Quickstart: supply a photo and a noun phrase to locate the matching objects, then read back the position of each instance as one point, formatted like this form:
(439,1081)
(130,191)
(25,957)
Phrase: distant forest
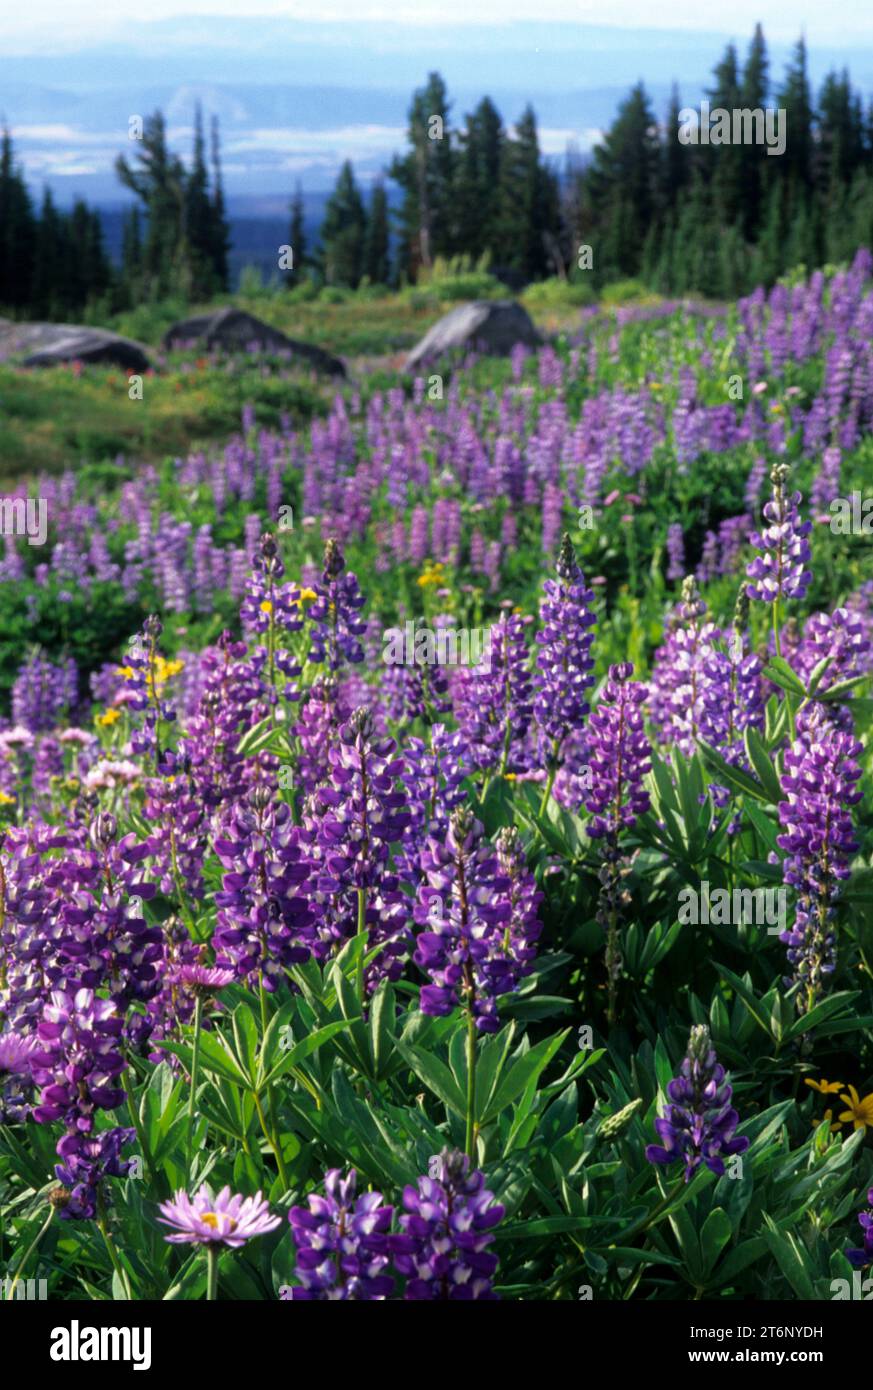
(713,219)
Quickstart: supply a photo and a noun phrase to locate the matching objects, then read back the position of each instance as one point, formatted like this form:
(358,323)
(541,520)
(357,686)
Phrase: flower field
(436,835)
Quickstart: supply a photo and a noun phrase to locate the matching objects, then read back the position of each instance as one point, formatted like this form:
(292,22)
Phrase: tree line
(712,218)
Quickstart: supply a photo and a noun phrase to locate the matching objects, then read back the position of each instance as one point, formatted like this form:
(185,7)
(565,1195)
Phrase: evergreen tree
(343,230)
(17,232)
(529,200)
(623,184)
(376,247)
(427,221)
(297,234)
(220,239)
(477,176)
(198,231)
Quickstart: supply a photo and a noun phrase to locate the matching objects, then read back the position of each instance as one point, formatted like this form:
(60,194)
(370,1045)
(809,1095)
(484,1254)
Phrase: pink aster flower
(205,978)
(222,1220)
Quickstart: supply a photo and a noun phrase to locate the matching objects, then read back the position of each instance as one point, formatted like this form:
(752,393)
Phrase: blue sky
(298,88)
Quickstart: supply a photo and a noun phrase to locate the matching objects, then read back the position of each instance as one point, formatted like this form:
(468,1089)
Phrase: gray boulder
(47,344)
(493,326)
(233,330)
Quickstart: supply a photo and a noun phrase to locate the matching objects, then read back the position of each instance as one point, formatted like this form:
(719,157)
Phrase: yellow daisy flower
(110,716)
(860,1111)
(825,1088)
(6,800)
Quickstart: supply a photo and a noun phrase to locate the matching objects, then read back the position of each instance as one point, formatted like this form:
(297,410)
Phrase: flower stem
(110,1247)
(195,1061)
(362,937)
(211,1273)
(28,1252)
(472,1135)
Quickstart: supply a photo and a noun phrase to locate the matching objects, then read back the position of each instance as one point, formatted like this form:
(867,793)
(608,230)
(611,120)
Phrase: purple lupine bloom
(524,927)
(842,639)
(265,924)
(77,1061)
(86,1161)
(360,814)
(780,570)
(564,662)
(446,1227)
(618,752)
(862,1257)
(42,691)
(15,1082)
(342,1244)
(675,551)
(143,691)
(224,1219)
(465,907)
(699,1123)
(678,673)
(820,780)
(335,626)
(493,704)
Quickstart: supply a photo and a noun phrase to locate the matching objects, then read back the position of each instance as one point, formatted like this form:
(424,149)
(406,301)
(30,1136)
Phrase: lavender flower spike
(699,1124)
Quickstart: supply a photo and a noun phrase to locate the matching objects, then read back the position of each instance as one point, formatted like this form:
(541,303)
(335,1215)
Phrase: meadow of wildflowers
(328,976)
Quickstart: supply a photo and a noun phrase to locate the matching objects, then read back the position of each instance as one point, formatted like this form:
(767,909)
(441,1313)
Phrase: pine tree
(426,217)
(158,180)
(198,231)
(376,241)
(343,230)
(220,239)
(17,232)
(623,183)
(297,235)
(477,181)
(529,210)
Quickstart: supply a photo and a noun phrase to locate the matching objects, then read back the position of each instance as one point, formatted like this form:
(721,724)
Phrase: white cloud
(58,25)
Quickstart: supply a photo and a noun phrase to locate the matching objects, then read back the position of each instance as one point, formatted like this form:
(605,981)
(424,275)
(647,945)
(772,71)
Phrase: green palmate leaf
(730,776)
(521,1073)
(792,1259)
(756,1007)
(715,1234)
(841,688)
(256,738)
(780,673)
(435,1075)
(293,1056)
(763,765)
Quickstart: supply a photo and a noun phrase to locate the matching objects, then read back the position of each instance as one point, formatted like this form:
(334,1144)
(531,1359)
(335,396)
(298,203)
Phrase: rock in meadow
(233,330)
(492,326)
(48,344)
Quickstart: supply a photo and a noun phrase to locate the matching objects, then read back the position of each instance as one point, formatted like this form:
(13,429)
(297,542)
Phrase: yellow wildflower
(860,1111)
(110,716)
(6,800)
(824,1088)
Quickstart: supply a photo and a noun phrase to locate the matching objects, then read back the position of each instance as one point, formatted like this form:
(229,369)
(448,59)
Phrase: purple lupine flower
(842,639)
(360,814)
(678,672)
(264,923)
(143,691)
(179,843)
(41,692)
(493,704)
(524,927)
(820,781)
(860,1258)
(86,1161)
(77,1061)
(446,1227)
(699,1123)
(564,662)
(619,752)
(732,687)
(15,1081)
(675,551)
(335,624)
(780,570)
(465,907)
(224,1219)
(342,1244)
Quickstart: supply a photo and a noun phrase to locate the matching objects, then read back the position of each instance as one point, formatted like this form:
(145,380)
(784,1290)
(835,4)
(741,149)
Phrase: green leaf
(763,765)
(527,1069)
(780,673)
(732,776)
(435,1075)
(715,1234)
